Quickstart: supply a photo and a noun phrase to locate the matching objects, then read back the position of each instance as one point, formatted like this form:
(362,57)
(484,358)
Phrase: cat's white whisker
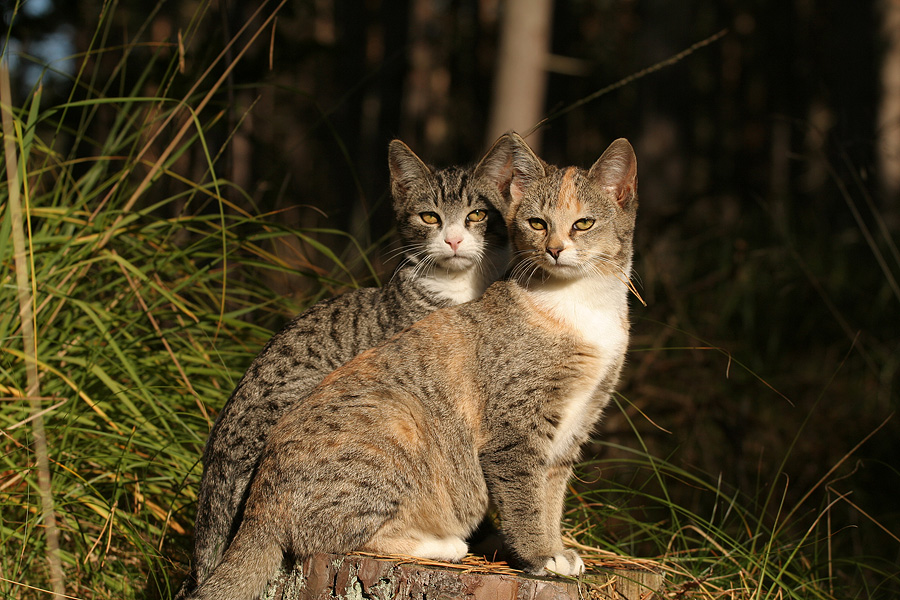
(405,250)
(635,276)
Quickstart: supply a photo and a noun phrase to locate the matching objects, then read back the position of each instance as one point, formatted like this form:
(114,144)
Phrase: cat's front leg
(566,562)
(529,497)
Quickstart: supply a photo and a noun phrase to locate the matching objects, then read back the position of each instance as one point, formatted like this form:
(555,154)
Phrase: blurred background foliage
(766,246)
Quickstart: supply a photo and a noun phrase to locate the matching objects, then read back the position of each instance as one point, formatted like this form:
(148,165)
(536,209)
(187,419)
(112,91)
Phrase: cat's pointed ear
(406,168)
(510,165)
(615,172)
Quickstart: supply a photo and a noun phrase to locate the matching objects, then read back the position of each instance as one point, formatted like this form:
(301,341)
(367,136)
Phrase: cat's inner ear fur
(615,172)
(511,166)
(496,171)
(406,169)
(527,168)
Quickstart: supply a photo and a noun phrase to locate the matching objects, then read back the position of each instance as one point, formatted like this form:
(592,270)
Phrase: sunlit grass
(147,308)
(152,289)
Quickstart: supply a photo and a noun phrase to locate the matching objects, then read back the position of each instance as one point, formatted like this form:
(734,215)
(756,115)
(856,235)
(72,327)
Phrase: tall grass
(724,542)
(151,281)
(146,305)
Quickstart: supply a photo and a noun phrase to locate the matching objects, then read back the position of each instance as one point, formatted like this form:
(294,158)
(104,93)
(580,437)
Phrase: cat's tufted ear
(406,169)
(615,172)
(510,166)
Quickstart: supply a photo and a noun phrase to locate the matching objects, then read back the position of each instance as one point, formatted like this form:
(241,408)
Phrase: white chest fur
(455,286)
(597,313)
(595,310)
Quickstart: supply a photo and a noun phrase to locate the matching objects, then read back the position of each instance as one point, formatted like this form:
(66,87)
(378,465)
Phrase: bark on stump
(355,577)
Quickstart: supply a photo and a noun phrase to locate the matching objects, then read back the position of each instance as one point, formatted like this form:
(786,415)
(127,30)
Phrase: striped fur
(433,273)
(402,449)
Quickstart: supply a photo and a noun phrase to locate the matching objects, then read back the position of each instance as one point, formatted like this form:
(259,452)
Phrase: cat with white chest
(403,449)
(454,243)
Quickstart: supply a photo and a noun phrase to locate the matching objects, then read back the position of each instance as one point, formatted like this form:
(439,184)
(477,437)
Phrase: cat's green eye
(537,224)
(476,215)
(430,218)
(583,224)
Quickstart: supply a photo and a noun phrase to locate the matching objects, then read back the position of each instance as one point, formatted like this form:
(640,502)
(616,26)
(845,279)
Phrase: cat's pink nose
(454,243)
(554,252)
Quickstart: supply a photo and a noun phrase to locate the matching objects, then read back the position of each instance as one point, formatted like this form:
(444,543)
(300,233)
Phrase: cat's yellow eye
(537,224)
(583,224)
(430,218)
(476,215)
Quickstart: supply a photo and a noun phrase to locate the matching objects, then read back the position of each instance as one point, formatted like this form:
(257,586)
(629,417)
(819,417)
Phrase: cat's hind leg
(449,549)
(446,549)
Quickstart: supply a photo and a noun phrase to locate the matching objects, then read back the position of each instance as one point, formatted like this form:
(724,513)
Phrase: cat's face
(446,218)
(572,223)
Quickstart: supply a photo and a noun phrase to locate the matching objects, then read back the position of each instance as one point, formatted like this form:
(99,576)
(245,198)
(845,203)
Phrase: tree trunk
(330,576)
(521,79)
(889,111)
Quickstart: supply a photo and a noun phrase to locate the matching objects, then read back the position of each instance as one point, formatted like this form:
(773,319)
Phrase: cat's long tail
(250,562)
(222,489)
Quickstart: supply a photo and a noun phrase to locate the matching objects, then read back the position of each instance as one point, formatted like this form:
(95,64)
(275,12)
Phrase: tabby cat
(455,244)
(401,450)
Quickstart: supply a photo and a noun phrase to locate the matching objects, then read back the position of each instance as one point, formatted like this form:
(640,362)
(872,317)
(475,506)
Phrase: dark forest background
(766,244)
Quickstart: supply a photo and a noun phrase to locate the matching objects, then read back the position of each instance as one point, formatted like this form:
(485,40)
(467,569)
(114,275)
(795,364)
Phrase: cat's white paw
(566,563)
(449,549)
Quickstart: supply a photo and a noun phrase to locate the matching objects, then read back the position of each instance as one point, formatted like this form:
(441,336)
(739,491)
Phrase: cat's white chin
(456,263)
(559,271)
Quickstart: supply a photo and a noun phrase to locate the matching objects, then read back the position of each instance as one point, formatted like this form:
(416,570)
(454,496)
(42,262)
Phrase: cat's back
(314,343)
(360,319)
(510,329)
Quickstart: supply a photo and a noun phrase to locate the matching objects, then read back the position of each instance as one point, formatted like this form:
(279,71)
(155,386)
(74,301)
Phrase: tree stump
(364,577)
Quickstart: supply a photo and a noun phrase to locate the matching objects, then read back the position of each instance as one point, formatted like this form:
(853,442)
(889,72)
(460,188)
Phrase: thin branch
(633,77)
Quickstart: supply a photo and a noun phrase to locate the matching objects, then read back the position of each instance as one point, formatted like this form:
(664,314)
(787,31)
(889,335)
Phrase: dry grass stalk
(26,317)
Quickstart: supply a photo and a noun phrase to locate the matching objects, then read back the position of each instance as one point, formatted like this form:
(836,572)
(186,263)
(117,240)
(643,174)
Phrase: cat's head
(447,218)
(569,223)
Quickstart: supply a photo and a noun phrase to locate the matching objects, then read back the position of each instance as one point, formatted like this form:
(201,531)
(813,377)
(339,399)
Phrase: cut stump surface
(359,577)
